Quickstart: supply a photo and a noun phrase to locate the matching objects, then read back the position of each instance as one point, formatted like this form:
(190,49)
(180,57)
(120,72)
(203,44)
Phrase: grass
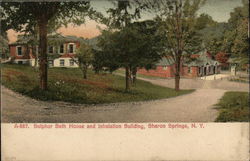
(234,106)
(240,79)
(121,71)
(67,84)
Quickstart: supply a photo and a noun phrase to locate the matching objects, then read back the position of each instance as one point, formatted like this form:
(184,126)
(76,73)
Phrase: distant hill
(216,31)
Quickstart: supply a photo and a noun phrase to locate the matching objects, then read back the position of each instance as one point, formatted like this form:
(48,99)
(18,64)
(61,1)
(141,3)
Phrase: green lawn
(68,85)
(121,71)
(234,106)
(240,79)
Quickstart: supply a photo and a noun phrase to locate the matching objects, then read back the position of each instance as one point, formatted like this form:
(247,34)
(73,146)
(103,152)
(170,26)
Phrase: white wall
(66,63)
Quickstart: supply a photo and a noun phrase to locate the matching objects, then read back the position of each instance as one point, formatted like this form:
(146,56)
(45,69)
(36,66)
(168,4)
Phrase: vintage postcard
(124,80)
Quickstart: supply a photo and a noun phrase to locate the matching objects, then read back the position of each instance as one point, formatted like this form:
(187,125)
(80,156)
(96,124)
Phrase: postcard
(124,80)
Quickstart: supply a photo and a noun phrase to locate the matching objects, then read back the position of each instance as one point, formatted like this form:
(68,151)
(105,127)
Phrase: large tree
(24,16)
(119,17)
(238,33)
(204,20)
(178,21)
(135,46)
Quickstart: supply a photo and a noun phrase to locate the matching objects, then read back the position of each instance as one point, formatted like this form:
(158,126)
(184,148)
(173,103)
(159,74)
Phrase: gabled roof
(203,60)
(165,61)
(24,39)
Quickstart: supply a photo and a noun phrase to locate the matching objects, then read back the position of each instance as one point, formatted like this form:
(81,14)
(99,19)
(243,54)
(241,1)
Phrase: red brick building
(201,65)
(60,49)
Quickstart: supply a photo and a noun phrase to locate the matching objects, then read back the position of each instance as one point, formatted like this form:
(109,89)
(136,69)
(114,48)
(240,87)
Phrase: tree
(119,18)
(24,16)
(135,46)
(178,21)
(222,58)
(204,20)
(4,45)
(147,46)
(85,57)
(236,40)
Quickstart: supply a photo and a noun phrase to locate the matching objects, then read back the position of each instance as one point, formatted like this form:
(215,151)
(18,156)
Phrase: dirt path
(194,107)
(223,84)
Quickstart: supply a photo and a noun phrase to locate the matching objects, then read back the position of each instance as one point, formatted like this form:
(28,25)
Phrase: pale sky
(218,9)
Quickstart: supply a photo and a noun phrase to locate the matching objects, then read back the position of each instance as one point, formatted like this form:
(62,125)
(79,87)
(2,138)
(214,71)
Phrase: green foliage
(24,16)
(231,37)
(204,21)
(136,45)
(85,57)
(122,14)
(234,106)
(177,22)
(4,49)
(67,85)
(236,37)
(84,54)
(212,38)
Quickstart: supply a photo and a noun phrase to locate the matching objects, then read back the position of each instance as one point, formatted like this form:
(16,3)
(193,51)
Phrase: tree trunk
(84,74)
(177,73)
(43,70)
(177,82)
(134,71)
(128,78)
(84,71)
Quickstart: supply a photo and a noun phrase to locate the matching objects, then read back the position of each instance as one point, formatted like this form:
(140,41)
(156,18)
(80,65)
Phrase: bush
(234,106)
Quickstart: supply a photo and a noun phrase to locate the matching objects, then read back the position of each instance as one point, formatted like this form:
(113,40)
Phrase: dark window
(51,63)
(51,49)
(61,62)
(19,50)
(71,48)
(71,62)
(189,69)
(20,62)
(61,49)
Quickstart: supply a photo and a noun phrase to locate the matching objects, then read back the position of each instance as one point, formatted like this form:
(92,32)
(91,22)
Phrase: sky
(218,9)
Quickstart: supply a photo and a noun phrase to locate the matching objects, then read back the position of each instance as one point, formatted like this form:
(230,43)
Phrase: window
(51,49)
(51,63)
(61,62)
(20,62)
(71,48)
(189,70)
(165,67)
(71,62)
(61,48)
(19,51)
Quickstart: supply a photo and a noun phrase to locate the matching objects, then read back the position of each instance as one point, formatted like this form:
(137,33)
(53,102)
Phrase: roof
(165,61)
(53,38)
(56,39)
(201,59)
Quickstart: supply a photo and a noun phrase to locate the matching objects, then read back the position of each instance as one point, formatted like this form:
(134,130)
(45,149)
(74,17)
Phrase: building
(199,65)
(61,50)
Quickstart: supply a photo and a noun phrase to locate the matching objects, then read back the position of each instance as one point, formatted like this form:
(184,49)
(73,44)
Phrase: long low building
(200,65)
